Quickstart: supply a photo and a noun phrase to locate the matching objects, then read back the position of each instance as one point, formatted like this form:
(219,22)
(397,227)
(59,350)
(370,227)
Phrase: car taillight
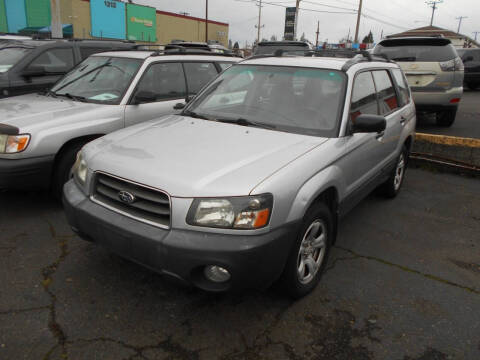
(452,65)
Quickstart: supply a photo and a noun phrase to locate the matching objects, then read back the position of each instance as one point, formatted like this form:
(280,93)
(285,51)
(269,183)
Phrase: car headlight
(246,212)
(11,144)
(80,169)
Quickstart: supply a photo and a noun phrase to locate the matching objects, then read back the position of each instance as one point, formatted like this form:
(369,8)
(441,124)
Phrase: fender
(313,187)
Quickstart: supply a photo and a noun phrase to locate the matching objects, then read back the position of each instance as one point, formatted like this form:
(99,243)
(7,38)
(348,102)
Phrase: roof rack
(355,56)
(176,49)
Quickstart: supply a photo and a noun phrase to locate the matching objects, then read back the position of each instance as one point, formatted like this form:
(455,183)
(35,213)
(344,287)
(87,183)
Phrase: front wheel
(309,255)
(63,168)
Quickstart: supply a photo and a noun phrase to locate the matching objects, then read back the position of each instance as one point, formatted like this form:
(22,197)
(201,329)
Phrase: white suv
(40,134)
(246,186)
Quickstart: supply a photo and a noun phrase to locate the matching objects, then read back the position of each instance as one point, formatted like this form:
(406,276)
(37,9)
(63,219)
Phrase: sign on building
(108,19)
(289,23)
(141,23)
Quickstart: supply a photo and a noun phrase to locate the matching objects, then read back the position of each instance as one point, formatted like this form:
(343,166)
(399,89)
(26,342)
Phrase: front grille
(150,206)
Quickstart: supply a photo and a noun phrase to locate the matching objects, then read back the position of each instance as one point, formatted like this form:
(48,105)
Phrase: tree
(273,38)
(368,39)
(302,38)
(236,46)
(230,43)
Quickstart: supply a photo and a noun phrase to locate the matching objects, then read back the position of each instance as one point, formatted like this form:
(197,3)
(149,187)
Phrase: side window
(55,60)
(364,98)
(225,66)
(198,75)
(162,81)
(402,86)
(85,52)
(387,95)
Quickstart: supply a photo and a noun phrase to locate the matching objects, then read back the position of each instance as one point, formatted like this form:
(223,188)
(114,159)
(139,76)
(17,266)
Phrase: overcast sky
(391,16)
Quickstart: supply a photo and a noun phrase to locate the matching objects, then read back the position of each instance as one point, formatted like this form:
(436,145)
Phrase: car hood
(31,111)
(196,158)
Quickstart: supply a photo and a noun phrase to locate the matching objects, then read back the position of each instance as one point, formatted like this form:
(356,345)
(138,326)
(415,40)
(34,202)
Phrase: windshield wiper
(408,58)
(193,114)
(73,97)
(246,122)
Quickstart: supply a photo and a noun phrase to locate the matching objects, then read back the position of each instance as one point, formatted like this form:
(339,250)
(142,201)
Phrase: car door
(364,151)
(160,88)
(390,108)
(54,61)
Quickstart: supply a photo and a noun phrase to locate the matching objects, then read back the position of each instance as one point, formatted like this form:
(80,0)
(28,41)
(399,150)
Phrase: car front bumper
(26,174)
(436,99)
(254,261)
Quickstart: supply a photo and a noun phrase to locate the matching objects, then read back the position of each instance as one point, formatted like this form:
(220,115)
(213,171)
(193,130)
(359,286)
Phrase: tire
(446,117)
(392,186)
(473,85)
(63,167)
(298,283)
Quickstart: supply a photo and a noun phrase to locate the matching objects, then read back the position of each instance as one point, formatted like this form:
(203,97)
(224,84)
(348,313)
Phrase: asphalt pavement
(467,122)
(403,282)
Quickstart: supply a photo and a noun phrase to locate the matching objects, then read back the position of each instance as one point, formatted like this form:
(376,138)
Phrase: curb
(447,153)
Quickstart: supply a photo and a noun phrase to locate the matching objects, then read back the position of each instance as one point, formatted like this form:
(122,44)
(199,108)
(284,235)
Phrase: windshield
(98,79)
(418,53)
(292,99)
(270,49)
(9,56)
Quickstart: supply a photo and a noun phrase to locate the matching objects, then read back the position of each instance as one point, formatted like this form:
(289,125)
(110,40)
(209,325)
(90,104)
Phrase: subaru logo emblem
(126,197)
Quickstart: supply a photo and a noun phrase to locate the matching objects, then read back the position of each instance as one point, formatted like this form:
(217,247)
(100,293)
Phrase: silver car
(40,134)
(434,72)
(246,186)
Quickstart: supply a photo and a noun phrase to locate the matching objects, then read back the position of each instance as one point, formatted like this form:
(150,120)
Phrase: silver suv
(434,72)
(40,134)
(246,186)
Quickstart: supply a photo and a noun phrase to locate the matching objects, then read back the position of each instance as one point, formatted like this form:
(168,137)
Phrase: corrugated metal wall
(16,19)
(38,13)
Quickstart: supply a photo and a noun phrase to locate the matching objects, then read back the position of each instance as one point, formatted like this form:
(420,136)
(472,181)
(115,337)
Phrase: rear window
(416,51)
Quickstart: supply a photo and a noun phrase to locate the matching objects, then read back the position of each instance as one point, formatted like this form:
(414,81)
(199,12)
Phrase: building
(110,19)
(458,40)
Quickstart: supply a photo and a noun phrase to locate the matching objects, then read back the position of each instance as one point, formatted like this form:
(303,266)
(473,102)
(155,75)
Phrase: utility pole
(259,26)
(206,21)
(476,33)
(433,5)
(296,20)
(359,15)
(318,32)
(56,25)
(460,18)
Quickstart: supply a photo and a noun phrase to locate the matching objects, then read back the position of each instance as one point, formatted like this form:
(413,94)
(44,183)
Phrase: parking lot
(467,122)
(403,282)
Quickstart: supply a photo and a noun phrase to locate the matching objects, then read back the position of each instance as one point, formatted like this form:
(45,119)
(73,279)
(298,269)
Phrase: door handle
(403,120)
(379,136)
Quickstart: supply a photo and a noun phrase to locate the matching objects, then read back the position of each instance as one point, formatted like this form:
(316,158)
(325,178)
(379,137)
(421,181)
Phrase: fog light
(216,273)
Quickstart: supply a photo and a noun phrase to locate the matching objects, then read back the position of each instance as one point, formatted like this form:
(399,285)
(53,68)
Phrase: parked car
(246,186)
(434,72)
(471,61)
(269,47)
(40,135)
(28,66)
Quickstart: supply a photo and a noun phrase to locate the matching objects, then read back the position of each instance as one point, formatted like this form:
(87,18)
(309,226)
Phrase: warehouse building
(108,19)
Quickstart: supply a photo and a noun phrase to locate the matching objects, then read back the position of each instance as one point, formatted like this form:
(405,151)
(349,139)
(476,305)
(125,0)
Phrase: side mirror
(143,97)
(34,70)
(179,106)
(369,124)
